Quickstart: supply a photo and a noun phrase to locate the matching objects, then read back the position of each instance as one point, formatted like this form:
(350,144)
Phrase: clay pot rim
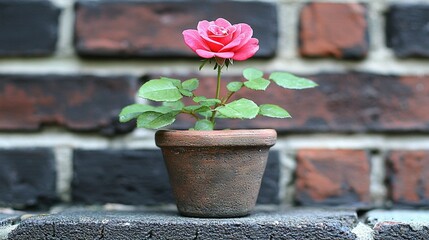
(239,137)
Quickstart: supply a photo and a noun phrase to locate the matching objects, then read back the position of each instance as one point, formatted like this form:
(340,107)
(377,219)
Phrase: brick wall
(66,68)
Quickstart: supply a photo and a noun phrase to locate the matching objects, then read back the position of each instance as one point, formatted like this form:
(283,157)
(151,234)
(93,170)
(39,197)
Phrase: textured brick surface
(81,103)
(139,177)
(154,29)
(27,177)
(399,224)
(292,224)
(352,102)
(407,29)
(408,177)
(136,177)
(332,177)
(28,27)
(270,185)
(334,29)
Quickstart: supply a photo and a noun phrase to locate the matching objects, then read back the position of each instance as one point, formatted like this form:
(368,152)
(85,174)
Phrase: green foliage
(242,108)
(206,101)
(172,93)
(252,74)
(289,81)
(155,120)
(257,84)
(191,84)
(203,124)
(160,90)
(274,111)
(234,86)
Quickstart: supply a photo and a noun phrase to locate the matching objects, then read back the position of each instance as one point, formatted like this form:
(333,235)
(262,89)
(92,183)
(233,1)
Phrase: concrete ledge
(399,224)
(266,223)
(291,224)
(8,222)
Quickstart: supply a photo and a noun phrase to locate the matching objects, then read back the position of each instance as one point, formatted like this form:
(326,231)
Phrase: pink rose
(220,39)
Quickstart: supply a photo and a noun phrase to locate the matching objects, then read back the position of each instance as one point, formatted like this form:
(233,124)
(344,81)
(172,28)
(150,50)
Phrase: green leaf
(206,101)
(252,73)
(160,90)
(274,111)
(162,109)
(186,93)
(290,81)
(176,82)
(234,86)
(203,125)
(132,111)
(190,84)
(257,84)
(178,105)
(155,120)
(242,108)
(198,99)
(196,108)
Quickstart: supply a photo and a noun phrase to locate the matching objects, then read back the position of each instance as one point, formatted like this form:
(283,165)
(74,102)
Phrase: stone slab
(290,224)
(399,224)
(8,222)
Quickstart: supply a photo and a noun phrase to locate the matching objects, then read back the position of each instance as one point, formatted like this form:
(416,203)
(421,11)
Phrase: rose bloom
(221,39)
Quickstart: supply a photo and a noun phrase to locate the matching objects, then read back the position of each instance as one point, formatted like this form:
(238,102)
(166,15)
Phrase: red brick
(334,29)
(408,177)
(154,29)
(350,102)
(332,177)
(80,103)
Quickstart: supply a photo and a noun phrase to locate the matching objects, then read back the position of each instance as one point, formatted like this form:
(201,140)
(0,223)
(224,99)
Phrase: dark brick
(332,177)
(399,224)
(139,177)
(27,178)
(408,177)
(334,29)
(407,31)
(28,27)
(154,29)
(136,177)
(350,102)
(270,185)
(80,103)
(292,224)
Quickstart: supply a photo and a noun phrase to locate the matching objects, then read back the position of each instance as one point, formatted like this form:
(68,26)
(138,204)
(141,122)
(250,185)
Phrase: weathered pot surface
(216,173)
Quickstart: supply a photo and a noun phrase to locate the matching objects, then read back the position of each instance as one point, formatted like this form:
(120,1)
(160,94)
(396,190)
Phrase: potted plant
(213,173)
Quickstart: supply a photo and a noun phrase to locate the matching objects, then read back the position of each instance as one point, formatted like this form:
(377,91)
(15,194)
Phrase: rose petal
(246,51)
(208,54)
(221,22)
(246,32)
(204,53)
(202,27)
(212,44)
(193,40)
(234,43)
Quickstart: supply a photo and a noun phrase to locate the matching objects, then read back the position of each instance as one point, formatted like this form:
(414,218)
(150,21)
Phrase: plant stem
(219,71)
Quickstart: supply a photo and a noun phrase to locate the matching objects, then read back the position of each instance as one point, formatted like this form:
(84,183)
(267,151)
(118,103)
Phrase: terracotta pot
(216,173)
